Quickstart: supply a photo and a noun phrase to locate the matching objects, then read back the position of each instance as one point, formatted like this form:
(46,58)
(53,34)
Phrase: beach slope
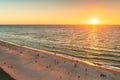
(23,63)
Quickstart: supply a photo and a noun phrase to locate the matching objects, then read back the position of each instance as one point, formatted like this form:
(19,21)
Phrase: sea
(98,44)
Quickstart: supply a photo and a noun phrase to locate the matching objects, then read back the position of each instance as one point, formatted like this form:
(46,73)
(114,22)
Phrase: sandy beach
(24,63)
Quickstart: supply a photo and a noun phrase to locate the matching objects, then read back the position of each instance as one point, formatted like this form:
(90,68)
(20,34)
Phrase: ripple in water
(99,45)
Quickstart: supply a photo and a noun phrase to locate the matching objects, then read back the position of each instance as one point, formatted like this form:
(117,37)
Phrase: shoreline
(61,62)
(64,56)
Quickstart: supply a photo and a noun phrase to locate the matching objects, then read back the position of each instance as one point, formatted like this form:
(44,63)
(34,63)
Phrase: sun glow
(94,21)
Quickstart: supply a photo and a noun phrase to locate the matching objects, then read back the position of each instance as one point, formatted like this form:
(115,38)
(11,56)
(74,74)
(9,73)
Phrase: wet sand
(24,63)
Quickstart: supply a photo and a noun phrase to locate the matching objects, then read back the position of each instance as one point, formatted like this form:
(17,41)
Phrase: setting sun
(94,21)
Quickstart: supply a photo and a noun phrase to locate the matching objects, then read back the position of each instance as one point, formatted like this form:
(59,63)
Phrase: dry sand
(23,63)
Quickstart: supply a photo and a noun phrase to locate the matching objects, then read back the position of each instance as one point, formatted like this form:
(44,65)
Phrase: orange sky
(59,11)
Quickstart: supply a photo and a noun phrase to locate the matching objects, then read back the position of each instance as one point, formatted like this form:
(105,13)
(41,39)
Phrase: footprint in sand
(103,76)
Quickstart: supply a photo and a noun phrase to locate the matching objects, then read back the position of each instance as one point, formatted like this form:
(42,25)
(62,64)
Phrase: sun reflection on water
(93,38)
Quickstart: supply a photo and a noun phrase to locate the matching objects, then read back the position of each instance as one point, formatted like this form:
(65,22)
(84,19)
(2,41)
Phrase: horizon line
(58,24)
